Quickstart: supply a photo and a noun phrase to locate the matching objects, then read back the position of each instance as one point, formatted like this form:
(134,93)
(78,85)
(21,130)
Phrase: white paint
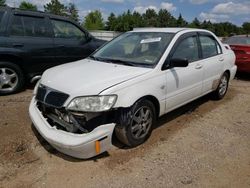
(172,87)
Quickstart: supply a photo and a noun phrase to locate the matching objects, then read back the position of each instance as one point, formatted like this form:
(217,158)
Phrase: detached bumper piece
(84,146)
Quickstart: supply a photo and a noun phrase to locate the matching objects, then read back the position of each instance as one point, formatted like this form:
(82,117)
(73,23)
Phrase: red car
(240,44)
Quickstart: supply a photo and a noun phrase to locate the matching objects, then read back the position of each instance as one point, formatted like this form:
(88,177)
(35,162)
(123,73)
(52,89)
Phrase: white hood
(88,77)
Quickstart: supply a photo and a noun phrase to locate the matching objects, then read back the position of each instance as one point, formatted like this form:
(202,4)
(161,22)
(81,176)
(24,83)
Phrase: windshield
(238,40)
(135,49)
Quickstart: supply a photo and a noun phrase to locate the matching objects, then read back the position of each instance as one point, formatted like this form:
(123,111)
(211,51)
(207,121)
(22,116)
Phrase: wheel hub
(223,86)
(141,122)
(8,79)
(5,78)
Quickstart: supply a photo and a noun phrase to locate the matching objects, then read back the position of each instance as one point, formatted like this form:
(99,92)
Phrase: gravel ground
(203,144)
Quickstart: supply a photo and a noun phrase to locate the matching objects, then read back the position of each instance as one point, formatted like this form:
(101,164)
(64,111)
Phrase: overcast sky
(235,11)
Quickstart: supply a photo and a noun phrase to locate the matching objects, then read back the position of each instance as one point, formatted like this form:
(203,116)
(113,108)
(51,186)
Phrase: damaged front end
(75,122)
(50,103)
(76,133)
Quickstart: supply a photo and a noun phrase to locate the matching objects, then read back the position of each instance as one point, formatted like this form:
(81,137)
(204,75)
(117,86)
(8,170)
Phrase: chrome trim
(35,78)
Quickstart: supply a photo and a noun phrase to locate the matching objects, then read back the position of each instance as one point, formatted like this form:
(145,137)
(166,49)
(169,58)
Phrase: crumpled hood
(88,77)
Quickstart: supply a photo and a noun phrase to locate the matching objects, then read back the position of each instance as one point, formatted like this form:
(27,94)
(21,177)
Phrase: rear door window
(1,15)
(28,26)
(210,46)
(67,30)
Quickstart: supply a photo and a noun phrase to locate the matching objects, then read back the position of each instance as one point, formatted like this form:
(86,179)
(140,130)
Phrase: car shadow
(242,76)
(30,86)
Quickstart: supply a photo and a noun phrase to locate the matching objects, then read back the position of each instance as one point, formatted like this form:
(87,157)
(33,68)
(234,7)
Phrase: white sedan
(123,88)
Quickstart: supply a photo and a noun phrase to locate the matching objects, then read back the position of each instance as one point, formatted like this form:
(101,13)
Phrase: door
(3,19)
(213,61)
(70,42)
(184,83)
(30,38)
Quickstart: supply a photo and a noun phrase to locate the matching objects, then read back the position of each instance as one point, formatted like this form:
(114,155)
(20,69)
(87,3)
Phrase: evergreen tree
(150,18)
(2,2)
(165,19)
(112,21)
(195,23)
(94,21)
(181,22)
(219,30)
(246,27)
(55,7)
(138,20)
(27,6)
(73,12)
(208,25)
(128,21)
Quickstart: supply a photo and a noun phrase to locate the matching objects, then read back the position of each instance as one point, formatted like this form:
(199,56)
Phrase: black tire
(16,83)
(222,88)
(130,123)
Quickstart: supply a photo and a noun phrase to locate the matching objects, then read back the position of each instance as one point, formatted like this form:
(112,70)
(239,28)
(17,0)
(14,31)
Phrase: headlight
(92,103)
(36,87)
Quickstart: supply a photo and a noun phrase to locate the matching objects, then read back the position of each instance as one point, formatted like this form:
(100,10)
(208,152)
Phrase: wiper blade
(100,59)
(95,58)
(119,61)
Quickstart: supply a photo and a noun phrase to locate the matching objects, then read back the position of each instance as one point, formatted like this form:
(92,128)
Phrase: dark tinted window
(238,40)
(209,46)
(28,26)
(187,49)
(17,26)
(1,15)
(68,30)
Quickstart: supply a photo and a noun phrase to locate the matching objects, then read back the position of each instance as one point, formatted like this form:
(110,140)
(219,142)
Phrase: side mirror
(178,62)
(89,37)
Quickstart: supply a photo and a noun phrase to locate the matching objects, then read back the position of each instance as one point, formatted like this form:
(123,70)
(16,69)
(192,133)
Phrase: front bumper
(82,146)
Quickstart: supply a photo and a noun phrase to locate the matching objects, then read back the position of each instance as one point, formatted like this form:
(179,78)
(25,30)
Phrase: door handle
(221,59)
(198,66)
(17,45)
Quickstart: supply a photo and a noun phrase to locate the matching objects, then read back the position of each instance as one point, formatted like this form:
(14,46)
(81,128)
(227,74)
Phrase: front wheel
(11,78)
(221,90)
(136,124)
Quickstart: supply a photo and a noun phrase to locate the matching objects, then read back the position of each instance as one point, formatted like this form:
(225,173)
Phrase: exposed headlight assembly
(92,103)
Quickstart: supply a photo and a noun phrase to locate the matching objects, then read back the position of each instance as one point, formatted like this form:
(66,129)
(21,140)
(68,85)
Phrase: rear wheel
(221,90)
(136,123)
(11,78)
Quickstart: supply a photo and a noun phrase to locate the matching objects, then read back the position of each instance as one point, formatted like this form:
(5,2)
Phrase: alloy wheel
(141,122)
(8,79)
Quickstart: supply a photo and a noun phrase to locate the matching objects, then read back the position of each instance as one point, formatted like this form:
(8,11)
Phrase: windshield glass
(238,40)
(135,49)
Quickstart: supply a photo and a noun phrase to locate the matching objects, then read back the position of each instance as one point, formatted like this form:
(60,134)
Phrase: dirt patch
(203,144)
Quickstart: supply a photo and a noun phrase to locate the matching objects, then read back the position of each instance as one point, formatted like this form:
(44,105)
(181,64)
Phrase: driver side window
(187,49)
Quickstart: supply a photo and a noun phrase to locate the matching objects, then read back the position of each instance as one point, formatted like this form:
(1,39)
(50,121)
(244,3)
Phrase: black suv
(31,42)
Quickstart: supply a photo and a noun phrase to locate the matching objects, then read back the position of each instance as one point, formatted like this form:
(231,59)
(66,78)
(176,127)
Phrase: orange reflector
(97,147)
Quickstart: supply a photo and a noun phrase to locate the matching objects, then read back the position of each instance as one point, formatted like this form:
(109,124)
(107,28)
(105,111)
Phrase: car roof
(167,29)
(34,13)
